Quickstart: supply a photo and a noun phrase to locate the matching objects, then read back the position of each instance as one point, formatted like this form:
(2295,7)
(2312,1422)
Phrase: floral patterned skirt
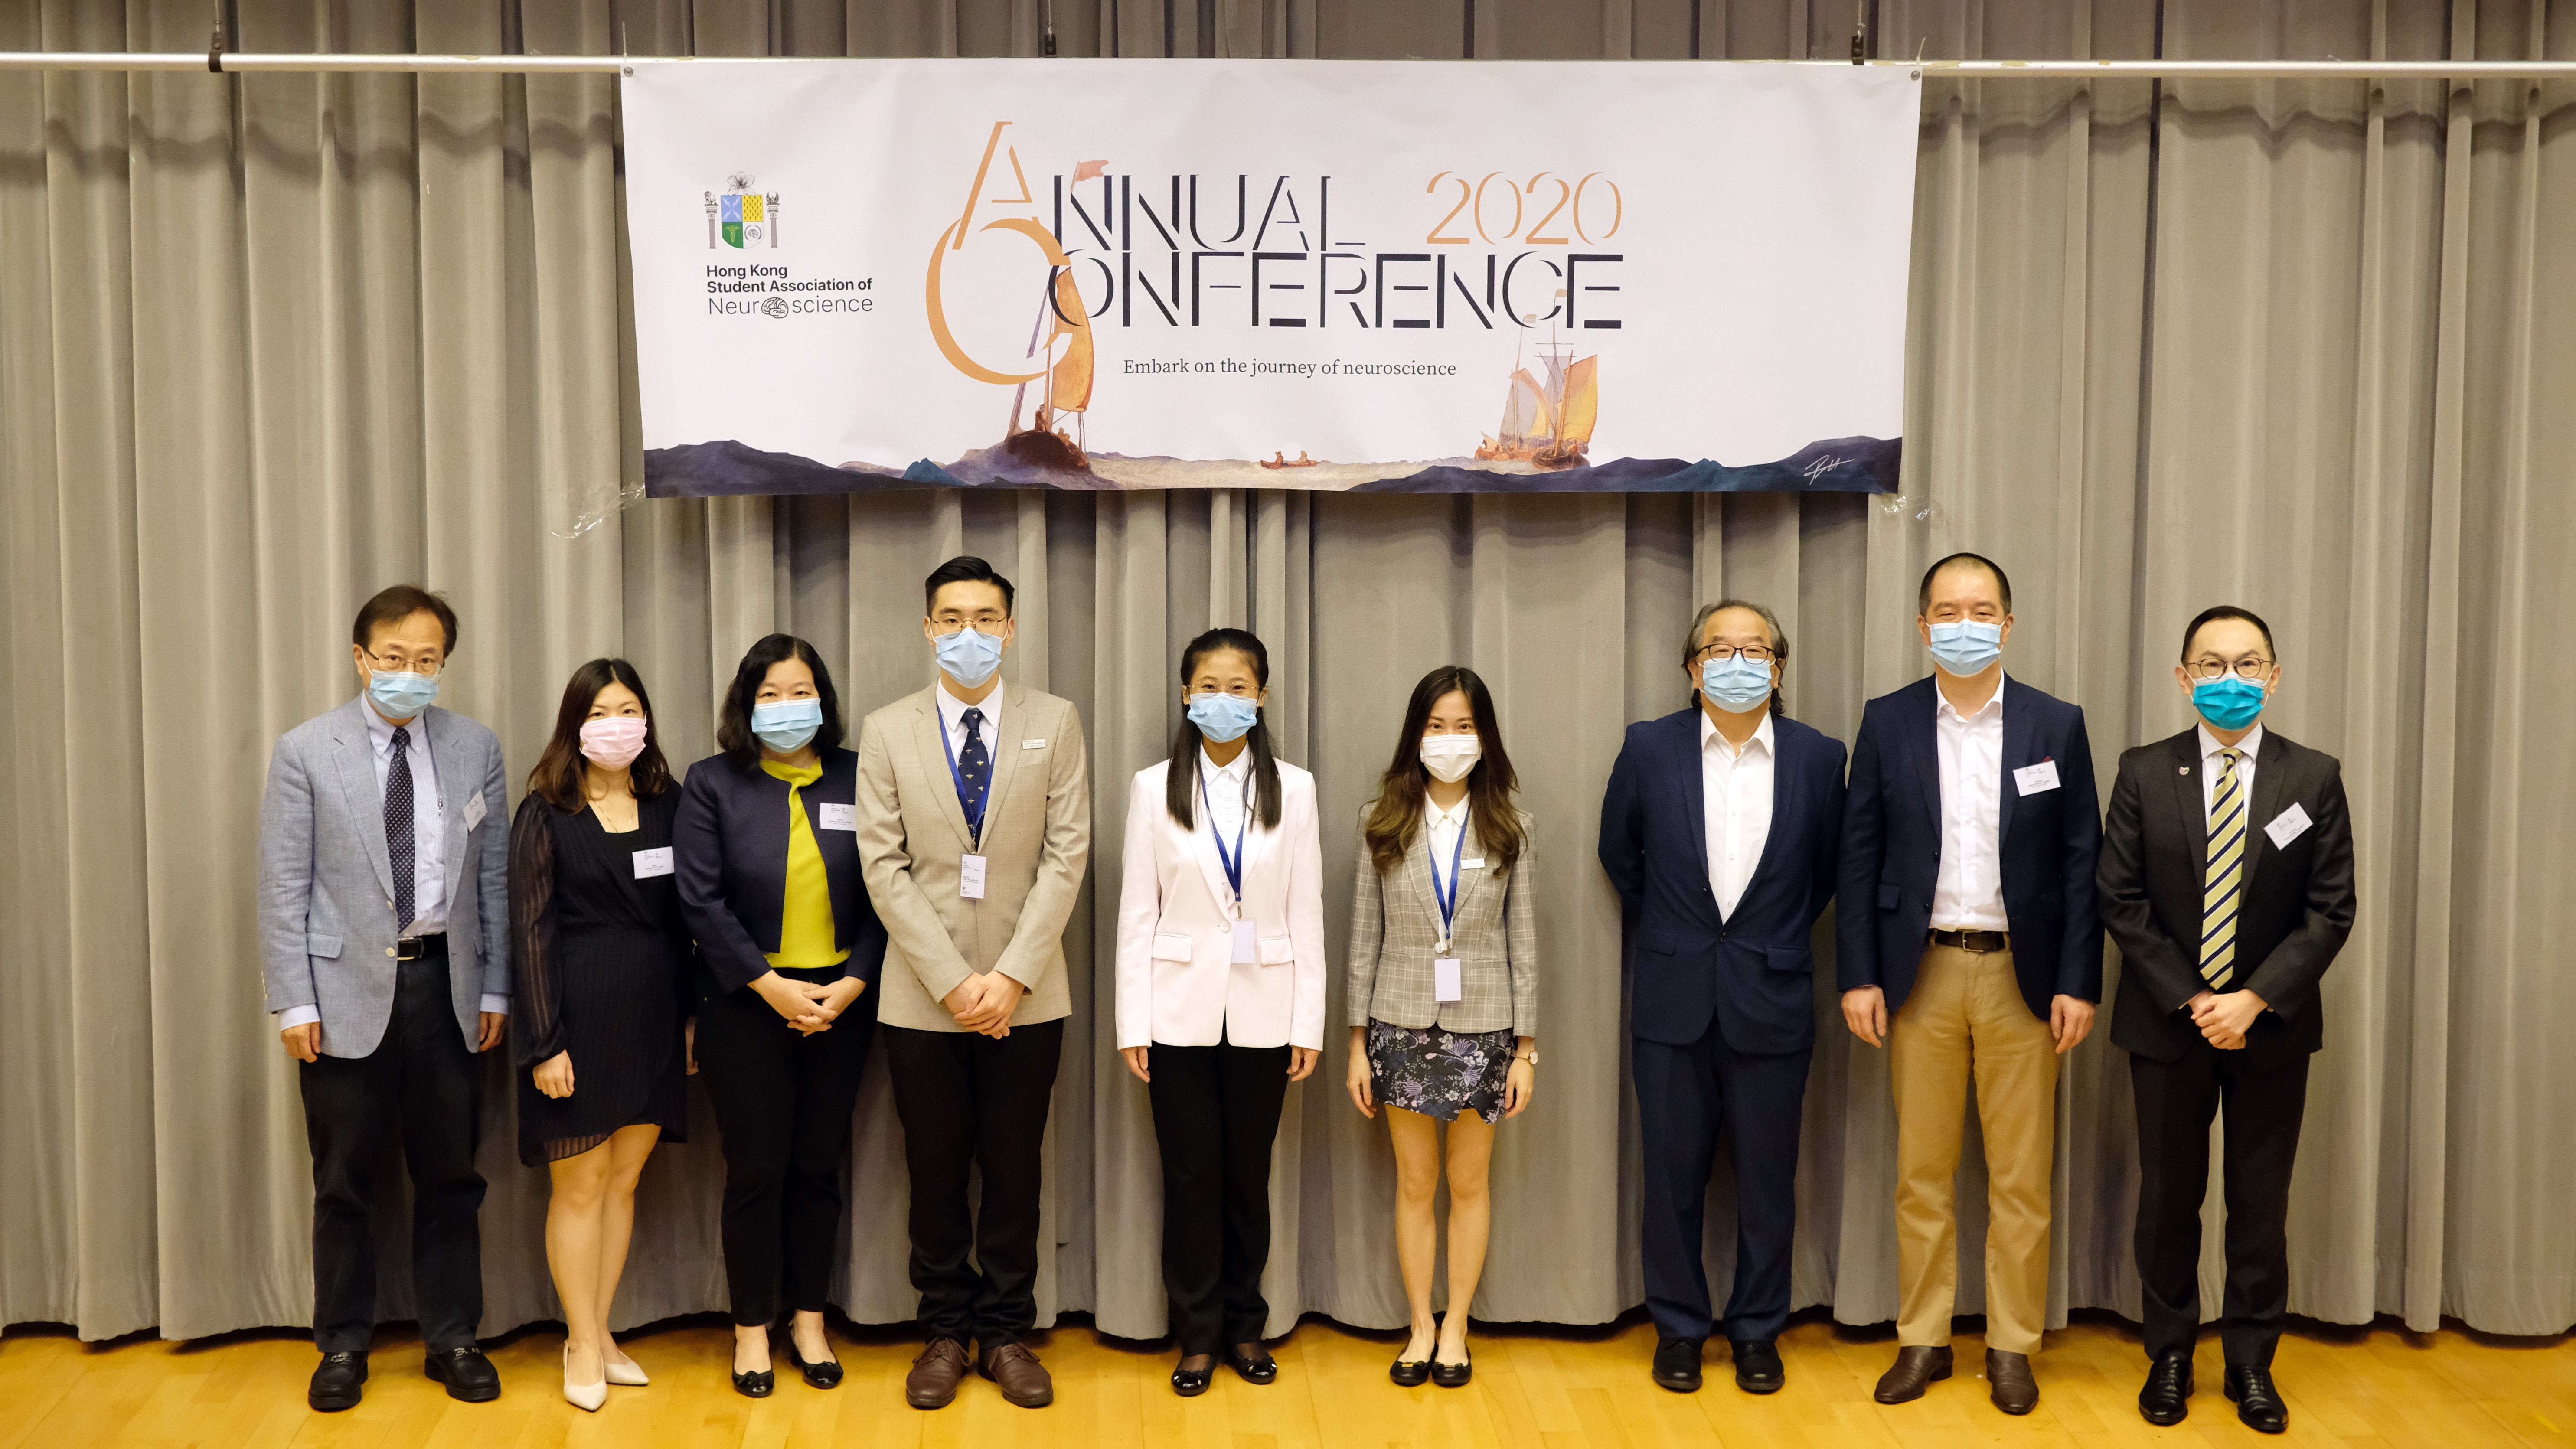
(1439,1073)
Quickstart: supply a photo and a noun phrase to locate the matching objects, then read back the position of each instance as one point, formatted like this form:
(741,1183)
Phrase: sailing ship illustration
(1548,422)
(1067,384)
(1279,459)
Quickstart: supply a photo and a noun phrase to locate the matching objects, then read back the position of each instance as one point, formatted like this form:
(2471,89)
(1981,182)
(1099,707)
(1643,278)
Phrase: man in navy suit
(1968,942)
(1719,830)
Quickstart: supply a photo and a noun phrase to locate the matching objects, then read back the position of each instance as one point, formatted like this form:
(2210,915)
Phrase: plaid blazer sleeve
(1368,929)
(1520,933)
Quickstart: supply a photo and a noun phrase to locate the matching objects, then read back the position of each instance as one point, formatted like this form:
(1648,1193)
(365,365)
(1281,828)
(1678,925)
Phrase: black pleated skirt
(622,1025)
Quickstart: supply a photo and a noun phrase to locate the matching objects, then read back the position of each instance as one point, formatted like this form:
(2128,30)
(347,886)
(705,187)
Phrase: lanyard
(1233,863)
(1449,898)
(975,821)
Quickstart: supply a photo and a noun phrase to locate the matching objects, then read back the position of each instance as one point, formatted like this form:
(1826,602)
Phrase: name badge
(1446,982)
(1247,947)
(650,863)
(474,809)
(2036,779)
(970,877)
(840,817)
(1034,744)
(2287,826)
(1474,863)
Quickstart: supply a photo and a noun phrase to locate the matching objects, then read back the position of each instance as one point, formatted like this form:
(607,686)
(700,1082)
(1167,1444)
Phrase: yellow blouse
(806,937)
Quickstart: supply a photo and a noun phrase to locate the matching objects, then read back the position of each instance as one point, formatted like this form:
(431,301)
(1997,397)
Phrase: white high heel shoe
(582,1396)
(621,1369)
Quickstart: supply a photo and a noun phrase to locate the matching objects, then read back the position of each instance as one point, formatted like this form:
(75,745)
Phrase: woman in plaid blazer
(1443,997)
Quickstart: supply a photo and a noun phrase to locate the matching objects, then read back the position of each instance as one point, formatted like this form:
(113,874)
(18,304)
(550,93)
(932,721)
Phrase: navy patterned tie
(398,831)
(975,766)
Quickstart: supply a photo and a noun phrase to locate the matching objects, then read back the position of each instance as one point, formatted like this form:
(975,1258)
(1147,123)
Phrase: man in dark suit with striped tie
(2227,880)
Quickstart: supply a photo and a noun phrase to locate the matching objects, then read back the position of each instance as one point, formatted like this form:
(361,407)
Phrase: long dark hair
(733,722)
(1181,781)
(558,777)
(1398,812)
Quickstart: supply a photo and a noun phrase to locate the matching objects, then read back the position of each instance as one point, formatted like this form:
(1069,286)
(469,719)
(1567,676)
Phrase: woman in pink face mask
(598,955)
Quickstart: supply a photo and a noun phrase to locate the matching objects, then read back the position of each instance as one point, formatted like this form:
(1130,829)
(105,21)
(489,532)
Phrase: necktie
(975,769)
(398,832)
(2223,887)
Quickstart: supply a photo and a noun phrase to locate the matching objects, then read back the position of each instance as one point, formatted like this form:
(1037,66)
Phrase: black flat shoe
(1261,1370)
(469,1376)
(339,1382)
(1190,1383)
(755,1385)
(1410,1373)
(1454,1375)
(824,1375)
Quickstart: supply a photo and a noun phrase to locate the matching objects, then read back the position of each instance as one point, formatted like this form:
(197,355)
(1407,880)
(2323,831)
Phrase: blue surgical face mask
(969,657)
(401,695)
(1967,646)
(1735,684)
(1223,718)
(2227,701)
(785,725)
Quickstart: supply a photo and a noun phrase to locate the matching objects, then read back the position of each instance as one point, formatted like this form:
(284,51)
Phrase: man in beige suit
(974,817)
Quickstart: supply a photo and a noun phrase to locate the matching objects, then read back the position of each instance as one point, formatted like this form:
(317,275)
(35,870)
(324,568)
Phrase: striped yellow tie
(2223,890)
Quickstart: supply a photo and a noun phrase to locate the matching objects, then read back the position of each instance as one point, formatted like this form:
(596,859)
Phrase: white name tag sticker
(1247,946)
(970,877)
(650,863)
(2036,779)
(840,817)
(1446,980)
(473,809)
(1033,744)
(1472,863)
(2287,826)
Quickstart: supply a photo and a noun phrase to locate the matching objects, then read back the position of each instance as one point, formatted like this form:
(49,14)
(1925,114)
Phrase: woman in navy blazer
(766,850)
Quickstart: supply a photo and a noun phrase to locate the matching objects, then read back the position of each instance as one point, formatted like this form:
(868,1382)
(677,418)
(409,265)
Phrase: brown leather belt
(1980,942)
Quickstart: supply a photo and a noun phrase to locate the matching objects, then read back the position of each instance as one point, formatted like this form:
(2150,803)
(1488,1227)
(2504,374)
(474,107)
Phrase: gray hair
(1770,621)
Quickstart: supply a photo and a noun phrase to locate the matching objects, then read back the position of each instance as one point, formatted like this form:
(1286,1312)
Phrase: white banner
(1422,276)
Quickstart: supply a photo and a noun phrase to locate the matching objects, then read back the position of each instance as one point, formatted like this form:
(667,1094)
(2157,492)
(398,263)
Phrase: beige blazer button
(389,950)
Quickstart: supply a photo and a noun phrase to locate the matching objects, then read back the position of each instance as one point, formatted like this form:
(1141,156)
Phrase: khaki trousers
(1966,1014)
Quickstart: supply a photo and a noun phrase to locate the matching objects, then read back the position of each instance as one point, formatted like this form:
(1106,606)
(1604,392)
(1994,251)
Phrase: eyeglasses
(985,622)
(425,665)
(2250,670)
(1759,654)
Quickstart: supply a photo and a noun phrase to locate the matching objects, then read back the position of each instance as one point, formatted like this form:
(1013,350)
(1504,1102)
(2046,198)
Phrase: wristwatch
(1531,1057)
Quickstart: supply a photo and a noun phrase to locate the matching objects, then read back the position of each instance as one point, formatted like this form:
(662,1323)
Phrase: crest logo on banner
(741,217)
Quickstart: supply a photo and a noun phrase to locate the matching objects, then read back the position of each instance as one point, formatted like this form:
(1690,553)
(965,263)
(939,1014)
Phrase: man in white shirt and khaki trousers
(1969,945)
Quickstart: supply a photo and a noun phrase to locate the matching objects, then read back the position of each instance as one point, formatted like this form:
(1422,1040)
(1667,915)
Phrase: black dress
(601,968)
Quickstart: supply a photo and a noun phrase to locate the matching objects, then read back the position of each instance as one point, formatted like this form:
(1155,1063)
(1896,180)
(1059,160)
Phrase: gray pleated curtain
(268,343)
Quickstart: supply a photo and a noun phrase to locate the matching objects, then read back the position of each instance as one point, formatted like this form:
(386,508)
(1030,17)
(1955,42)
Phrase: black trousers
(1686,1097)
(783,1101)
(422,1082)
(2176,1101)
(970,1101)
(1216,1112)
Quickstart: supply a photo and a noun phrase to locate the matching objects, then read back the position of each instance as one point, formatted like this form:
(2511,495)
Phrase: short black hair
(733,721)
(2216,612)
(2003,585)
(965,569)
(392,606)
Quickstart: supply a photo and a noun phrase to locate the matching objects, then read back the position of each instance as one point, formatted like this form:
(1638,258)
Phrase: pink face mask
(613,742)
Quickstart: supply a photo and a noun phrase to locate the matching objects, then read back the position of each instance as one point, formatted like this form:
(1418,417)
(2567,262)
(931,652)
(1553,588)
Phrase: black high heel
(824,1375)
(755,1385)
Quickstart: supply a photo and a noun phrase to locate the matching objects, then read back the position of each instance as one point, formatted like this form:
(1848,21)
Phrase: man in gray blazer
(383,917)
(974,823)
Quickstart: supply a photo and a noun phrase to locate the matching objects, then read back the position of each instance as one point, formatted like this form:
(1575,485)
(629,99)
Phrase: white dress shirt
(429,842)
(952,714)
(1443,827)
(1735,807)
(1229,793)
(1968,895)
(2211,764)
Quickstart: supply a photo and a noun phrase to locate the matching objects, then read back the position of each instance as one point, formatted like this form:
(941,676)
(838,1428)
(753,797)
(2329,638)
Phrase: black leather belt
(420,948)
(1977,941)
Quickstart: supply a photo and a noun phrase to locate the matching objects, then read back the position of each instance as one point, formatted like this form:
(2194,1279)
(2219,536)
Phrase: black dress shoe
(1453,1375)
(824,1375)
(1189,1383)
(2165,1399)
(1256,1367)
(2258,1403)
(339,1382)
(1758,1369)
(469,1376)
(1677,1364)
(756,1385)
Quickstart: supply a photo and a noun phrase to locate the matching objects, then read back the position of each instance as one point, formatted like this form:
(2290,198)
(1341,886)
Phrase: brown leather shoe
(1915,1367)
(1023,1379)
(2009,1384)
(935,1374)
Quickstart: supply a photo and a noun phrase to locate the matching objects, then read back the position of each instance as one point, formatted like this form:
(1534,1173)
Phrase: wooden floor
(1547,1389)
